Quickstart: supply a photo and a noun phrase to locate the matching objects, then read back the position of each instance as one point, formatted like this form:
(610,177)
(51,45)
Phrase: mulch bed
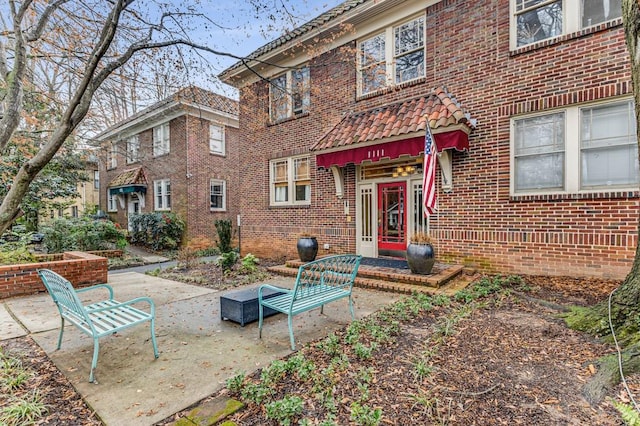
(64,405)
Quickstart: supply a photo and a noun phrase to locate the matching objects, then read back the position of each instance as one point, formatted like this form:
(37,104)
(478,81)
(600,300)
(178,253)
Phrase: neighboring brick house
(530,104)
(179,155)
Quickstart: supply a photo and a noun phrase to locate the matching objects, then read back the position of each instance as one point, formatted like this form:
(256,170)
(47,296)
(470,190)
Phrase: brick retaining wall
(82,269)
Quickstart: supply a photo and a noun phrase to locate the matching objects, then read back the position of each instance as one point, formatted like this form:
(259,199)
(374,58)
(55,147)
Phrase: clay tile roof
(204,97)
(409,116)
(129,177)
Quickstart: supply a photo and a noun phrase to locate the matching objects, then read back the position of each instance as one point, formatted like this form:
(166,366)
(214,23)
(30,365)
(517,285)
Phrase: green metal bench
(97,319)
(318,283)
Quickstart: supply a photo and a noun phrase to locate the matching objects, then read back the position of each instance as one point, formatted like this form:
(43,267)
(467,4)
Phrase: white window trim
(222,141)
(224,195)
(166,205)
(291,187)
(571,21)
(289,95)
(572,167)
(112,203)
(163,146)
(133,156)
(389,55)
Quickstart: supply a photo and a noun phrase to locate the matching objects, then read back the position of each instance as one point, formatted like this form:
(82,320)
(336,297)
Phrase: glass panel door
(392,218)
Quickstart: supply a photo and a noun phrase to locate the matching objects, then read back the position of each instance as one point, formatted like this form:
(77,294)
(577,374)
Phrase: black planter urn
(307,248)
(421,257)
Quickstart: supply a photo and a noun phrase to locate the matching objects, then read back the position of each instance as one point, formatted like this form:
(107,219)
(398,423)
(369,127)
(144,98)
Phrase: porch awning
(391,150)
(128,182)
(129,189)
(361,136)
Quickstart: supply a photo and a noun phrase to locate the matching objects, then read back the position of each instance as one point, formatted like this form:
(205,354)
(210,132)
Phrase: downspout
(188,174)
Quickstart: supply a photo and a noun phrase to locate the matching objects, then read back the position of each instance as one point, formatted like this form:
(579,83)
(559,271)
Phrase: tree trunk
(621,310)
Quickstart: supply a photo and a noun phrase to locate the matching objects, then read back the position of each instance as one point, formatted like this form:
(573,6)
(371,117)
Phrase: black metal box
(242,306)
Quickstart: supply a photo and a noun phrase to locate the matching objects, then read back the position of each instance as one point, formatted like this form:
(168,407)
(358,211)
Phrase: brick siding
(190,167)
(479,223)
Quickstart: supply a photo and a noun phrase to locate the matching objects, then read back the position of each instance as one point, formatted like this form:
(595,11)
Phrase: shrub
(16,256)
(83,234)
(227,260)
(223,227)
(249,263)
(159,231)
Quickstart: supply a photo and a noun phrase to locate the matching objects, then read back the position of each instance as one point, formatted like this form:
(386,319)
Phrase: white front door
(133,207)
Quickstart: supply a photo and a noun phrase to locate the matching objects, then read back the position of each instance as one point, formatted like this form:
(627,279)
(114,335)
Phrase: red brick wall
(190,167)
(479,223)
(204,166)
(81,269)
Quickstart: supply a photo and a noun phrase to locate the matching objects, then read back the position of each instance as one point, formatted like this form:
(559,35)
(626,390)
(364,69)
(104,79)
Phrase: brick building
(179,155)
(530,104)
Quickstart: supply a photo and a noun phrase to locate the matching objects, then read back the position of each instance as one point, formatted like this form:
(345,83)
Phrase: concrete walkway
(198,351)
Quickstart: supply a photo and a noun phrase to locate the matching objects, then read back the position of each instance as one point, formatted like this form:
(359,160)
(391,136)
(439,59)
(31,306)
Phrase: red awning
(413,147)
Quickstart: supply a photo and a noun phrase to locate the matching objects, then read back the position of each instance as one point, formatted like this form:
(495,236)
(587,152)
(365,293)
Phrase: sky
(242,27)
(248,29)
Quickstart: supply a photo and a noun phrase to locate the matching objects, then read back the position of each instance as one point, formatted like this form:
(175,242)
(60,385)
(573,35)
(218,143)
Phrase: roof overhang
(346,22)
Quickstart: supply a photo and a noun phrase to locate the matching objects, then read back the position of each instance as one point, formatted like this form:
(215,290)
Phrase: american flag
(429,171)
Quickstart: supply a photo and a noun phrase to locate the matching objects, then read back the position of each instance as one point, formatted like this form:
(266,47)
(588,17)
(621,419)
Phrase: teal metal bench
(97,319)
(318,283)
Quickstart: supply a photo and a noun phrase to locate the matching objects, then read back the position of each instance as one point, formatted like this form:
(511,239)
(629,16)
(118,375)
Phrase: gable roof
(129,177)
(398,119)
(316,22)
(189,98)
(322,29)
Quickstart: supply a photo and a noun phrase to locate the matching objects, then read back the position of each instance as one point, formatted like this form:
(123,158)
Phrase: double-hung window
(218,195)
(290,94)
(112,156)
(608,146)
(290,181)
(96,179)
(161,140)
(392,56)
(162,190)
(599,152)
(133,149)
(112,205)
(538,20)
(216,139)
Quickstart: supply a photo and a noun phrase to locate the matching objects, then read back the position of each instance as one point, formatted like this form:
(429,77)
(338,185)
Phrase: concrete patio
(198,351)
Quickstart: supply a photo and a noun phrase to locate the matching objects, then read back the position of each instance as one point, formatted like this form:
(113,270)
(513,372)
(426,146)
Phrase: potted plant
(307,247)
(421,255)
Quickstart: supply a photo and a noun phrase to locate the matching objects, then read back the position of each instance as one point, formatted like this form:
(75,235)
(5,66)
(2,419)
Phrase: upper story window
(218,195)
(290,94)
(161,138)
(290,181)
(601,156)
(112,159)
(96,179)
(537,20)
(133,149)
(216,139)
(392,56)
(162,190)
